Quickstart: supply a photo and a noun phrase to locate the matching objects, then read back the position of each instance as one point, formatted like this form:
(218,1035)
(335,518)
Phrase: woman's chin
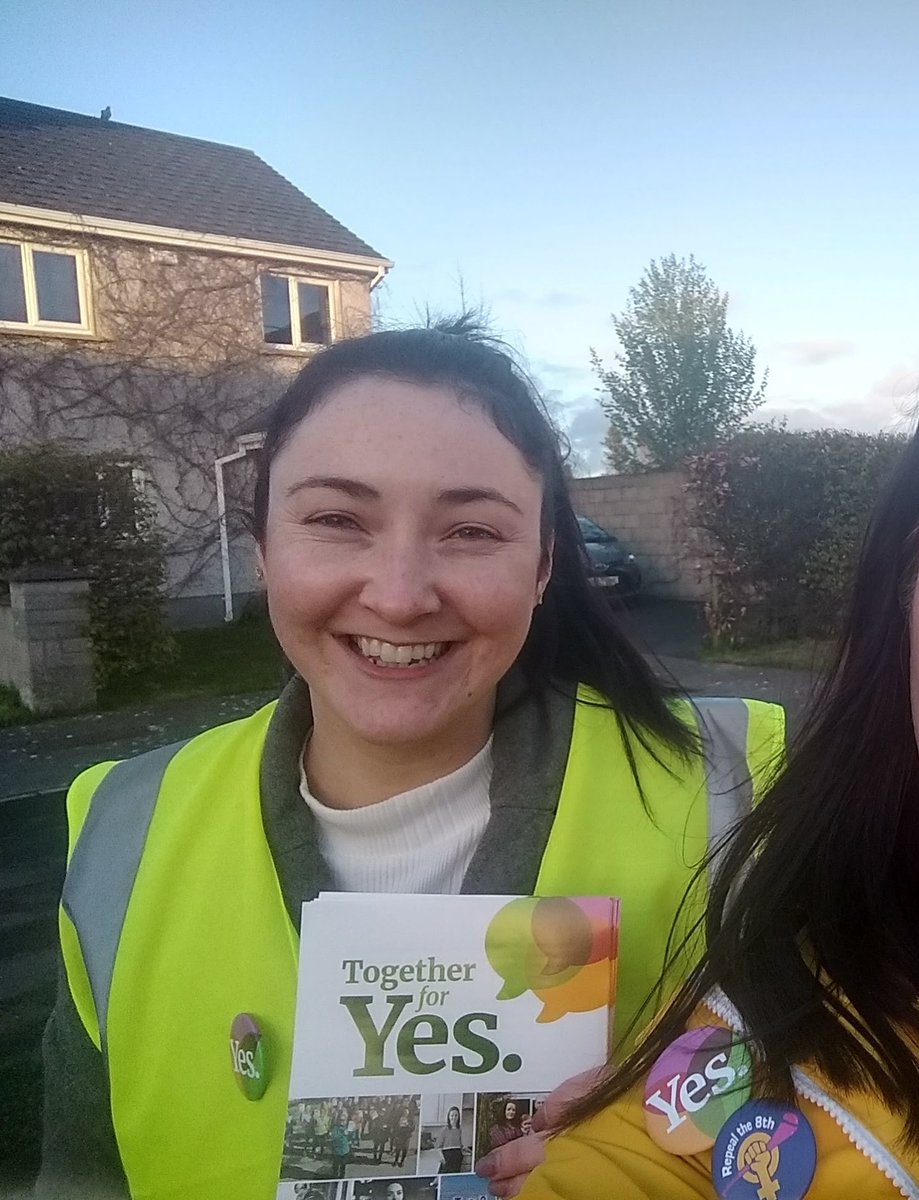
(396,731)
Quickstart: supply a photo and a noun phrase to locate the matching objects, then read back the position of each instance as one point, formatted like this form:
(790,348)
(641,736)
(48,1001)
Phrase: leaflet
(428,1031)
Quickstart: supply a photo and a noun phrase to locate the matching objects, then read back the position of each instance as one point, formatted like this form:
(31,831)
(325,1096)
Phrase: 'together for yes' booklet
(428,1030)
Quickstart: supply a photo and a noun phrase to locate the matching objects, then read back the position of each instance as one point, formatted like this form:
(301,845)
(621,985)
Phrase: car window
(592,532)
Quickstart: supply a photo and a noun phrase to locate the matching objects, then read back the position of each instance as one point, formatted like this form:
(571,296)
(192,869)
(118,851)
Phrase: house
(156,292)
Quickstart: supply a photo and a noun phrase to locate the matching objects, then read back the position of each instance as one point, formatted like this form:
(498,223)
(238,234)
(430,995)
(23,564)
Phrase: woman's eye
(474,533)
(332,521)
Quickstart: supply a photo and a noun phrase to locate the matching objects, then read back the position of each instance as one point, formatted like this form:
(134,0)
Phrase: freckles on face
(402,557)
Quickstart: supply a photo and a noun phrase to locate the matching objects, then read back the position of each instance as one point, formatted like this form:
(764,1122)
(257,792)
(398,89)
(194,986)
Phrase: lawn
(805,655)
(222,660)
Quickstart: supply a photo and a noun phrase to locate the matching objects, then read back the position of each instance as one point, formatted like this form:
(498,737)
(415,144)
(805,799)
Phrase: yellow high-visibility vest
(173,921)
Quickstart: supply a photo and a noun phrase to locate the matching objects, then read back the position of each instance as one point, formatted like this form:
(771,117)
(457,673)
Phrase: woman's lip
(416,641)
(394,641)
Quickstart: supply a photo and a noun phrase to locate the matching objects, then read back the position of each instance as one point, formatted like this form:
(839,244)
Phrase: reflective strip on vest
(109,848)
(723,727)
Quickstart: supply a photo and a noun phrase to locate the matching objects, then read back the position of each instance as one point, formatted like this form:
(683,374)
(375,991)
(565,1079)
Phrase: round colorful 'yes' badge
(694,1087)
(766,1151)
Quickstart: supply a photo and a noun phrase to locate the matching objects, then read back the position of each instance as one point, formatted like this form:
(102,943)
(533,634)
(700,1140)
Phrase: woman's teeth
(391,655)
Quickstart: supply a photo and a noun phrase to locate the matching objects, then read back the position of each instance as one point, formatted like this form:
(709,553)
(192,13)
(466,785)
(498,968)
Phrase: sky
(534,155)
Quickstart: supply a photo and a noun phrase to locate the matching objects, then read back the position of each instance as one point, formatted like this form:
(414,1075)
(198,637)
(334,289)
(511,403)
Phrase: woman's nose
(400,585)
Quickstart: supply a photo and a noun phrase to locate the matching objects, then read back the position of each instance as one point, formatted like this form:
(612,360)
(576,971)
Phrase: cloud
(892,403)
(814,352)
(896,394)
(585,424)
(550,299)
(558,374)
(562,300)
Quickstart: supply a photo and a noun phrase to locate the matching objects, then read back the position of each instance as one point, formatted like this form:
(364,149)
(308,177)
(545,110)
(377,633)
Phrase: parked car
(611,565)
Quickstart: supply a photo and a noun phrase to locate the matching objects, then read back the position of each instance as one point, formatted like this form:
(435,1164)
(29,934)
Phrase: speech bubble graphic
(509,946)
(563,932)
(592,987)
(561,948)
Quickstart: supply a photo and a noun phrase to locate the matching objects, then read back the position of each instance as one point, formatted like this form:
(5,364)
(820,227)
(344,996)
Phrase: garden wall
(648,512)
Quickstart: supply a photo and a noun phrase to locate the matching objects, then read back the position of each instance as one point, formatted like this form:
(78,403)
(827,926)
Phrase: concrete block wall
(648,512)
(12,652)
(44,639)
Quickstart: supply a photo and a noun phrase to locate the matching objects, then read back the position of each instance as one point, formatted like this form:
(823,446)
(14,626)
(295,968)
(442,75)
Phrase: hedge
(57,506)
(781,517)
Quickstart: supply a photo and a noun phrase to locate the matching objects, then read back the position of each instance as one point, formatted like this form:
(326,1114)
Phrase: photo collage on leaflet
(406,1147)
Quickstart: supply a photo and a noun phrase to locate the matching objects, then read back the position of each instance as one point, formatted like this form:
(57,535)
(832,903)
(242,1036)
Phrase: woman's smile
(397,654)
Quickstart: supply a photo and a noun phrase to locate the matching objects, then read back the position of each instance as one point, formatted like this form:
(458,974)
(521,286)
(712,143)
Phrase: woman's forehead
(383,399)
(379,429)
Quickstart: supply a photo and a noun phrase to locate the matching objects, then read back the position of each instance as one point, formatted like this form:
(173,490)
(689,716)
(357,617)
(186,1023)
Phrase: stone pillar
(54,654)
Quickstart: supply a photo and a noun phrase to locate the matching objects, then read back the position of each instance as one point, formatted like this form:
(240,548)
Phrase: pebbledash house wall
(649,512)
(175,362)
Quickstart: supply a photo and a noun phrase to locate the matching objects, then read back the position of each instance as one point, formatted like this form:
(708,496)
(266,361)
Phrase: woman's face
(394,1191)
(402,560)
(510,1111)
(453,1117)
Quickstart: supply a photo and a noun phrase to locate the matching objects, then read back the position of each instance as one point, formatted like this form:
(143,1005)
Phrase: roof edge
(88,120)
(49,218)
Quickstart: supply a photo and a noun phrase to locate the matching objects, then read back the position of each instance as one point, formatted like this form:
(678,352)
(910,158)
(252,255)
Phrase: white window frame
(293,299)
(33,323)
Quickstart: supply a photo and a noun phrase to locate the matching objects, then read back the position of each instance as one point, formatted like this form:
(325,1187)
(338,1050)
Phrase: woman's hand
(507,1168)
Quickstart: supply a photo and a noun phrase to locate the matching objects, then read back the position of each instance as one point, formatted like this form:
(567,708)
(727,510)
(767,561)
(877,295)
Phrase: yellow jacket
(611,1156)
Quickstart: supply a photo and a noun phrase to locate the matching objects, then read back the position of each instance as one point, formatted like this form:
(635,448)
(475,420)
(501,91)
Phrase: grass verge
(807,655)
(220,660)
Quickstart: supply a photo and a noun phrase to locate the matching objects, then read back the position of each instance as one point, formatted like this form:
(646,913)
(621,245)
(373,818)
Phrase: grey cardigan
(80,1156)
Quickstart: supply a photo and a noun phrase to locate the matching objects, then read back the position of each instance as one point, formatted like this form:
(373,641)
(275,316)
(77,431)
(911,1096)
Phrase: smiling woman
(402,583)
(465,716)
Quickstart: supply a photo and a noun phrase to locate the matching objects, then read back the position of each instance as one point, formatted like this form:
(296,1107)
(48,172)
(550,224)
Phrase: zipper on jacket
(861,1137)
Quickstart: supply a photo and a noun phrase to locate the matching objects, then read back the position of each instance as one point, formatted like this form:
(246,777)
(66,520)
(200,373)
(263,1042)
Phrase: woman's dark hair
(574,636)
(812,924)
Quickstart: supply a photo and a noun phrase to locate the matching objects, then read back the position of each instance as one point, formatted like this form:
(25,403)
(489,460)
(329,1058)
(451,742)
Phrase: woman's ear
(545,568)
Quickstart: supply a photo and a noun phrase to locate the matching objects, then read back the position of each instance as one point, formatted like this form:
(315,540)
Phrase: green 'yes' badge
(247,1048)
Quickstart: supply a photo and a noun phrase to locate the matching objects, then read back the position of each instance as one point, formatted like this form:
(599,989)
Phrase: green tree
(683,378)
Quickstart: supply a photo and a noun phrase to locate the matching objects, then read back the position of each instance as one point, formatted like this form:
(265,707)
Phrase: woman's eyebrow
(469,495)
(363,491)
(336,483)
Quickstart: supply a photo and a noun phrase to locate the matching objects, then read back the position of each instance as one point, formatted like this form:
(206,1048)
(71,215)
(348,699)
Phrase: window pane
(56,285)
(314,313)
(12,289)
(276,310)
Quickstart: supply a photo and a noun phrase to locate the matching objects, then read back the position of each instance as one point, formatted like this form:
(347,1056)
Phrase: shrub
(57,506)
(782,517)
